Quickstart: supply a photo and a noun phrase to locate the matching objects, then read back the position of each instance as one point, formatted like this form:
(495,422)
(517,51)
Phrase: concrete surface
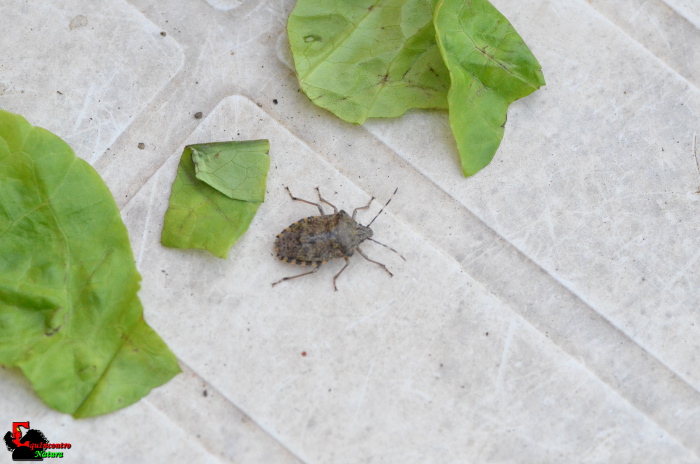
(548,310)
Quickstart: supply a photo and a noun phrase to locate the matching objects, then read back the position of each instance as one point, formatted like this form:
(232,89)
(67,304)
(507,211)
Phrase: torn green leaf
(212,205)
(367,58)
(70,318)
(490,67)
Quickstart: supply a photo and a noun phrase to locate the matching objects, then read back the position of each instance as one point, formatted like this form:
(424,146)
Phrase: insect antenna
(380,211)
(386,246)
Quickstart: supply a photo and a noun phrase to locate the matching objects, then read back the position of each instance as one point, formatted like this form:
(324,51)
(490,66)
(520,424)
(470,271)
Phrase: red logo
(32,445)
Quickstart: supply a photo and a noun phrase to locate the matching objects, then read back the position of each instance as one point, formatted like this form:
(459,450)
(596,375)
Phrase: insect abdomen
(311,240)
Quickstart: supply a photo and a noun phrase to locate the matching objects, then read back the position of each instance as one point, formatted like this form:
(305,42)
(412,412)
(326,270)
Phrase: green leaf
(238,169)
(490,67)
(70,318)
(203,215)
(366,58)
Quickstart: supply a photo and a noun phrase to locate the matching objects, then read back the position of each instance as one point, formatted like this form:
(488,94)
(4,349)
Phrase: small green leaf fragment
(490,67)
(68,283)
(201,214)
(236,169)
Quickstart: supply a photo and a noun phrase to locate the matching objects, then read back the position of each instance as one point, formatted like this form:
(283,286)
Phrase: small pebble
(275,101)
(163,34)
(142,146)
(198,115)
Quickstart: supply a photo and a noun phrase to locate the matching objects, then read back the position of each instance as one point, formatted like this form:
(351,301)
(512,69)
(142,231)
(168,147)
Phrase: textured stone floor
(548,310)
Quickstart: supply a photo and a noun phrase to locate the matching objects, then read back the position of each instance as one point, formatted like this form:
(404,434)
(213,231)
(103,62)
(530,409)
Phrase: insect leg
(300,275)
(361,207)
(347,261)
(335,210)
(299,199)
(375,262)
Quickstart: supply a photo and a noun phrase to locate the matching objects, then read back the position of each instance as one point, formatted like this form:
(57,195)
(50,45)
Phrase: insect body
(315,240)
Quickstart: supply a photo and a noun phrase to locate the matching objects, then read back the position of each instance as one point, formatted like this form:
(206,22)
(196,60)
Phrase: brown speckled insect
(315,240)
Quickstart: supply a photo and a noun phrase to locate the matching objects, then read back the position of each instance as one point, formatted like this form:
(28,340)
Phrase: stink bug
(315,240)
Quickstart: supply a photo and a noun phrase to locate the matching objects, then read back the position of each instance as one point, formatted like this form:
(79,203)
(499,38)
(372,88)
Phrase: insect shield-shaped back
(317,239)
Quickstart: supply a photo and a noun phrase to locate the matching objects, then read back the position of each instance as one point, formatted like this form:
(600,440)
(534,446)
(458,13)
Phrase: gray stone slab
(575,250)
(82,69)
